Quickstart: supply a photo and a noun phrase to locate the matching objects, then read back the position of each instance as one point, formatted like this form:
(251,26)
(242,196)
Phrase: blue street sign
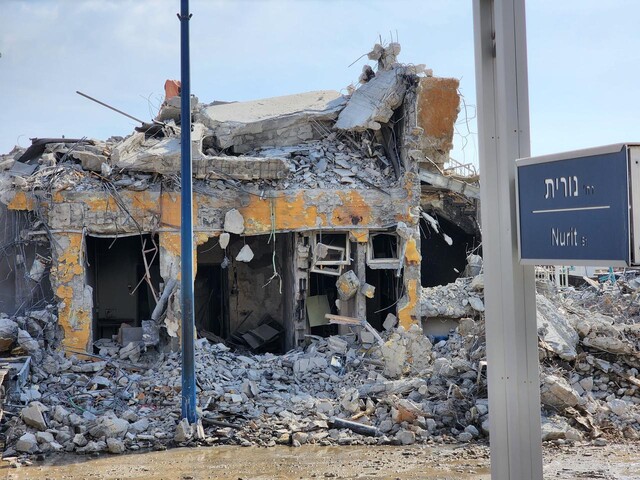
(573,208)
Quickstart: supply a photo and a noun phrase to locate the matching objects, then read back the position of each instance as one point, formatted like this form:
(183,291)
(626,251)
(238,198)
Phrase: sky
(583,55)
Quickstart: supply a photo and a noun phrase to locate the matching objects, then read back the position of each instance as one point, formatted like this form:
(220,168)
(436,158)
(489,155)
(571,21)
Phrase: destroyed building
(305,205)
(309,209)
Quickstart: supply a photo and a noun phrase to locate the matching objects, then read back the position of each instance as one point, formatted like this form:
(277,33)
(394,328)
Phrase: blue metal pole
(186,228)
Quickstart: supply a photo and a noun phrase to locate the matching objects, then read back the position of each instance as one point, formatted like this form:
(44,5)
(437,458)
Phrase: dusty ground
(612,462)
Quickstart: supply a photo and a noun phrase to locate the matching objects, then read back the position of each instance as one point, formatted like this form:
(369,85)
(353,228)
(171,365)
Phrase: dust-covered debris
(589,359)
(408,390)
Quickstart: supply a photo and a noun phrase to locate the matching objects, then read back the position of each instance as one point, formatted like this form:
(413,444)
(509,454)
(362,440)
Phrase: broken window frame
(330,267)
(381,263)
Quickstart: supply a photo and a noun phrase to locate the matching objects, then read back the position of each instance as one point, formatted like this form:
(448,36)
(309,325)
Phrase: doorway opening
(124,273)
(242,302)
(388,291)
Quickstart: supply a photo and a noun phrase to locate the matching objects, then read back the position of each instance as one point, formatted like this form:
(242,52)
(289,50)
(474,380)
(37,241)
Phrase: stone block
(33,415)
(27,443)
(367,290)
(390,322)
(374,102)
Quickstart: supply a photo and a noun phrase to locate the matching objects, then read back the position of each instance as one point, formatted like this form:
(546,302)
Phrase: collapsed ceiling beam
(448,183)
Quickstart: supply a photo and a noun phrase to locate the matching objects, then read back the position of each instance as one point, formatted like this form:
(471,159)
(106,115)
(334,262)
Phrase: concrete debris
(224,239)
(184,432)
(277,122)
(347,285)
(29,344)
(233,222)
(8,334)
(367,290)
(115,446)
(27,443)
(386,57)
(406,437)
(408,390)
(109,426)
(446,182)
(476,303)
(150,333)
(557,393)
(451,301)
(390,322)
(374,102)
(555,329)
(557,428)
(598,388)
(33,415)
(245,254)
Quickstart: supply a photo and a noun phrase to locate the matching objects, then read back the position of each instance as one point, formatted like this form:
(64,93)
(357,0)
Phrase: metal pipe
(110,107)
(186,225)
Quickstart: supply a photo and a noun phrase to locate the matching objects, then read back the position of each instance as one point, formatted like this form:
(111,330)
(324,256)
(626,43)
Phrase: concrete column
(75,297)
(409,305)
(170,268)
(360,268)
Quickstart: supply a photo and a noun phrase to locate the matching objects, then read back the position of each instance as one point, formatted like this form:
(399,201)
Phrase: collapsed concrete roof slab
(154,155)
(373,103)
(277,121)
(163,156)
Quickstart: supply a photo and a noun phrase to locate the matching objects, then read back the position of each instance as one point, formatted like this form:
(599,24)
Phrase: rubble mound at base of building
(335,391)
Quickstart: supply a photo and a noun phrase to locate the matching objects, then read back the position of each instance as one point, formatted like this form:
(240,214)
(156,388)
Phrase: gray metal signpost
(512,342)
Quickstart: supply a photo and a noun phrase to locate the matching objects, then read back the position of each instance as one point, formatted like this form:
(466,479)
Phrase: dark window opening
(211,300)
(385,246)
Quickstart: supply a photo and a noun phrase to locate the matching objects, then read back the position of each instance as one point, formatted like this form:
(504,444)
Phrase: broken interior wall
(71,288)
(251,294)
(7,255)
(438,104)
(294,281)
(408,311)
(25,258)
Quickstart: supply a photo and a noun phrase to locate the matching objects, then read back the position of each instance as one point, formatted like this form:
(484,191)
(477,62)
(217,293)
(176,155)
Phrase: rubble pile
(335,391)
(589,361)
(333,161)
(400,393)
(28,334)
